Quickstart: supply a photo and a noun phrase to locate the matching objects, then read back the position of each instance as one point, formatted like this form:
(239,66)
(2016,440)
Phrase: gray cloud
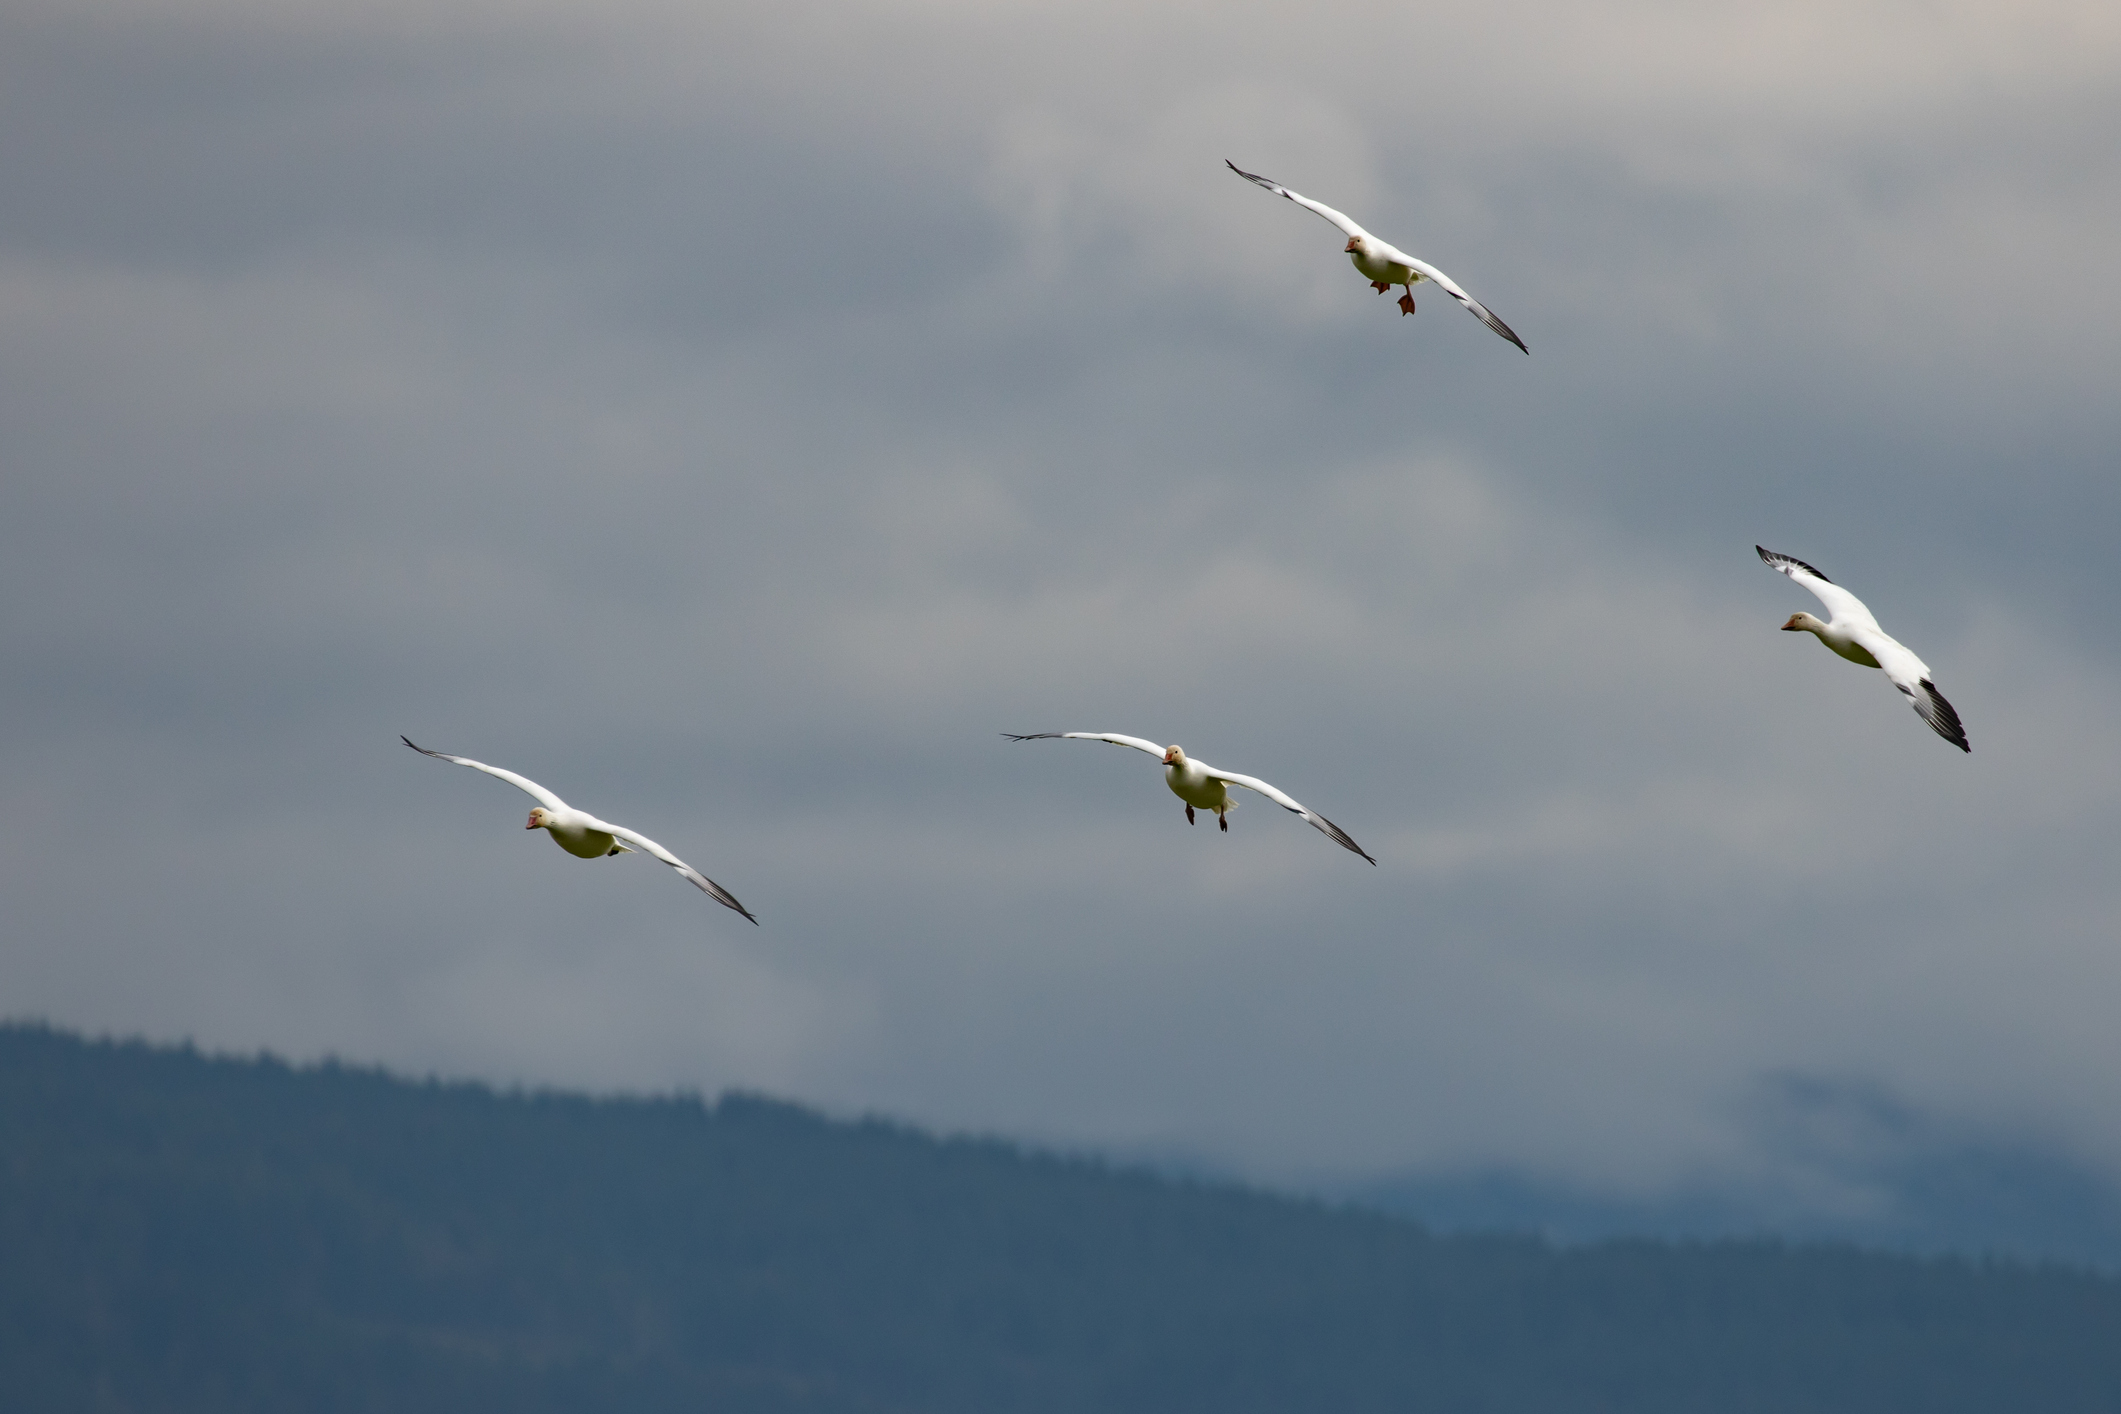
(736,421)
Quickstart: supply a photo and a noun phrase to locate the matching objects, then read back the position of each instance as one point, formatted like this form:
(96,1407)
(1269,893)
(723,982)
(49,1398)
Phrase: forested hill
(182,1233)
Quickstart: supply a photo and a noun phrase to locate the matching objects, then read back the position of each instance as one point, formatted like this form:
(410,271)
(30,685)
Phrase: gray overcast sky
(737,416)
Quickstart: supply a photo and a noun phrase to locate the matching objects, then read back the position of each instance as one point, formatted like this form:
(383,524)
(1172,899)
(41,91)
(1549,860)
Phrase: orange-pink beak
(533,823)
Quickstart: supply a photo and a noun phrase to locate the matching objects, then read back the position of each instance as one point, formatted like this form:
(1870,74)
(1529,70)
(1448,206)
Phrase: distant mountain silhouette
(181,1233)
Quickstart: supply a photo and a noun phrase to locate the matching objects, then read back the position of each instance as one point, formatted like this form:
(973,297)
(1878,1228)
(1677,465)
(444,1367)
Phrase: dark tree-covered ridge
(181,1233)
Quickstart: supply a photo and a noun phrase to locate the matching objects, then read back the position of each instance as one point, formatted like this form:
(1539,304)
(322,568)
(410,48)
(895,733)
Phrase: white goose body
(1853,633)
(1203,787)
(578,834)
(1369,256)
(1189,781)
(1842,639)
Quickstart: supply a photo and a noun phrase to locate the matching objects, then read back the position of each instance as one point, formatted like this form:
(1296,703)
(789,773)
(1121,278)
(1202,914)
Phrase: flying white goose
(1855,635)
(585,836)
(1385,265)
(1199,784)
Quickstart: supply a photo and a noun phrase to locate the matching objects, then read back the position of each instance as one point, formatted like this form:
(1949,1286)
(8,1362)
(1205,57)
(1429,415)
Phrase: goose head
(540,819)
(1802,623)
(1173,756)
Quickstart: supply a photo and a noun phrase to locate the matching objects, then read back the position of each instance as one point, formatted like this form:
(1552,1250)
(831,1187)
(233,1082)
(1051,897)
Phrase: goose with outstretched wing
(1382,264)
(1201,786)
(1854,634)
(585,836)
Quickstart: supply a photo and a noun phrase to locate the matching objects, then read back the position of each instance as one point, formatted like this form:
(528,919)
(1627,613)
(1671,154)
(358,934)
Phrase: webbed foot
(1406,305)
(1189,815)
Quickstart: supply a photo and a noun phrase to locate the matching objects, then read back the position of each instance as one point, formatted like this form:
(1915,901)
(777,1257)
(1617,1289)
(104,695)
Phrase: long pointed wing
(1304,201)
(699,881)
(1114,737)
(1847,610)
(1450,287)
(529,787)
(1331,831)
(1912,676)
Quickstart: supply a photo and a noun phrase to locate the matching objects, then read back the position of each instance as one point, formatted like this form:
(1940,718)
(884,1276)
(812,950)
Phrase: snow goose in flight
(585,836)
(1385,265)
(1855,635)
(1199,784)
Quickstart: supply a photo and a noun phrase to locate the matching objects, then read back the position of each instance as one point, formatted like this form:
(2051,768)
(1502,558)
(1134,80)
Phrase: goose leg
(1379,286)
(1406,302)
(1189,815)
(1224,821)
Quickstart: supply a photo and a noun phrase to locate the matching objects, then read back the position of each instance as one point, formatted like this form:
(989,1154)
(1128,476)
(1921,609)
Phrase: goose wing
(1912,676)
(1846,609)
(529,787)
(1114,737)
(1320,207)
(699,881)
(1450,287)
(1331,831)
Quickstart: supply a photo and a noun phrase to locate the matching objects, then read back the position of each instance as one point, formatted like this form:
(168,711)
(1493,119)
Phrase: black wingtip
(1349,840)
(1030,736)
(1775,560)
(1945,719)
(416,746)
(721,896)
(1340,837)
